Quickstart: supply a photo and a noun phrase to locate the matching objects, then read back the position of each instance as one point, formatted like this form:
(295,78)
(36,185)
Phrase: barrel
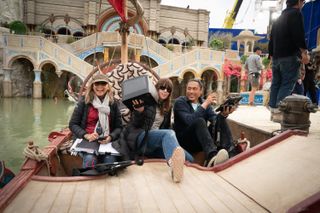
(296,112)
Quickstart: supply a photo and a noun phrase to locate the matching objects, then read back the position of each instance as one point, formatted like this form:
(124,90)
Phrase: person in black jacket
(287,48)
(97,109)
(191,115)
(160,141)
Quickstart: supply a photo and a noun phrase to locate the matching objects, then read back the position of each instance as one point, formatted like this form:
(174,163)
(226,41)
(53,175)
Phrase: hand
(211,98)
(105,141)
(138,105)
(228,110)
(91,137)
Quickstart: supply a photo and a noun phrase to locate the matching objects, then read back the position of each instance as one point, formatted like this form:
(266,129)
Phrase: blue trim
(86,53)
(153,56)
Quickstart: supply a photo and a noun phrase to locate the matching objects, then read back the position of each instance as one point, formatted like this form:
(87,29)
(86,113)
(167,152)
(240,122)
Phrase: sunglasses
(100,83)
(165,88)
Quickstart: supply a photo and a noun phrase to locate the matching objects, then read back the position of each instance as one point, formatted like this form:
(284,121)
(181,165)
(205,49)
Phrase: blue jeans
(160,143)
(285,73)
(90,160)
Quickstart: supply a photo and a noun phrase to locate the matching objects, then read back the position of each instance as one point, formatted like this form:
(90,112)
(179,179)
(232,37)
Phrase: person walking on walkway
(287,48)
(254,67)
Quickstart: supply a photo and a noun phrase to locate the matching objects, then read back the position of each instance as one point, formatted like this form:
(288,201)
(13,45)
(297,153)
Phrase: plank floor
(137,189)
(281,176)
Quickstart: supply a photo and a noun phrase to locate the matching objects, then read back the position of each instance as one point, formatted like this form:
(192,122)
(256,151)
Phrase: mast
(124,31)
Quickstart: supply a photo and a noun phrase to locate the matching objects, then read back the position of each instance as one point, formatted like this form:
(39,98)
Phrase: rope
(35,153)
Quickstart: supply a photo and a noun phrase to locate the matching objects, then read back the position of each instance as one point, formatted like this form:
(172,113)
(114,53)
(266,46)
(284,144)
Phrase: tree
(18,27)
(225,38)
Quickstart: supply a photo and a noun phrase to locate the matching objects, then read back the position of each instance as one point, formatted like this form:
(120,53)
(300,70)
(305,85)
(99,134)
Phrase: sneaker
(220,157)
(176,164)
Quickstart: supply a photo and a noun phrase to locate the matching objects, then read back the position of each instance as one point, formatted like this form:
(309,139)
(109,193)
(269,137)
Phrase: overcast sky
(247,17)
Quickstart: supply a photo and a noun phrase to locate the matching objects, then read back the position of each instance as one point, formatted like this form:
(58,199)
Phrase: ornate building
(36,66)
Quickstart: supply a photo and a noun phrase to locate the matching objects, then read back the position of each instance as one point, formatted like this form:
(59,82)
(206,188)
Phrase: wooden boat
(280,174)
(274,176)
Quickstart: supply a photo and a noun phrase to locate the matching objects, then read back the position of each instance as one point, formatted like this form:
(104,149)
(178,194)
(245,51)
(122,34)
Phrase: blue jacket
(185,115)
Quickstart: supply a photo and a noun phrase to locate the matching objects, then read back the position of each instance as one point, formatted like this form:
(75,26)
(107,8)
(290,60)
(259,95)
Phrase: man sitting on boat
(191,114)
(96,110)
(148,133)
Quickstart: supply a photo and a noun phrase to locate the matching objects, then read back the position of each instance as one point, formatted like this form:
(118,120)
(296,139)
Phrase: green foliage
(18,27)
(243,59)
(169,47)
(265,62)
(225,38)
(216,44)
(70,40)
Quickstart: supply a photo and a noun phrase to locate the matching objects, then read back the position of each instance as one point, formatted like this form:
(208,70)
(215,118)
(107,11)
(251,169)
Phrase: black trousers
(310,86)
(198,137)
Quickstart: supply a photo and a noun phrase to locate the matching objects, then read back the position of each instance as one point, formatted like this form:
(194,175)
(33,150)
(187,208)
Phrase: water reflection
(23,119)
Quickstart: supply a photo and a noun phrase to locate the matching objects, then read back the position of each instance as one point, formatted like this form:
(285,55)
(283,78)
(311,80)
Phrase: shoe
(220,157)
(176,164)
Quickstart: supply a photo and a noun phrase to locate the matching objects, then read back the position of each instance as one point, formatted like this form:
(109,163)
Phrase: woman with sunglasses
(148,133)
(96,118)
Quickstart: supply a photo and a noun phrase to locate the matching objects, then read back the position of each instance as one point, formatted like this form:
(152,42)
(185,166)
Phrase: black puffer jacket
(78,121)
(126,144)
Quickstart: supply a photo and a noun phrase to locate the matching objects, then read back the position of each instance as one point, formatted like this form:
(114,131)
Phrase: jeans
(285,73)
(160,143)
(198,137)
(90,160)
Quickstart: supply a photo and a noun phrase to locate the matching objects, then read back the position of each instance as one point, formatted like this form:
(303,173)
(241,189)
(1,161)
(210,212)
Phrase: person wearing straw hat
(97,109)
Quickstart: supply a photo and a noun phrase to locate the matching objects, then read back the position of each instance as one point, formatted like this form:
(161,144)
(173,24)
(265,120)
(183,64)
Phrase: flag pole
(124,31)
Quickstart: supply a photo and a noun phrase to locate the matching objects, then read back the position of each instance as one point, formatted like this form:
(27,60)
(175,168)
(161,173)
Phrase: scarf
(104,111)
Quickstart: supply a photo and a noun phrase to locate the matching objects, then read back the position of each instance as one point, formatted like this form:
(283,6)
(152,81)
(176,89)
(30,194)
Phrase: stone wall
(10,10)
(83,13)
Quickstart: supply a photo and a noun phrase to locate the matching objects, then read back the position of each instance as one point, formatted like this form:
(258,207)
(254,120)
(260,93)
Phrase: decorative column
(106,54)
(7,83)
(220,91)
(37,84)
(137,55)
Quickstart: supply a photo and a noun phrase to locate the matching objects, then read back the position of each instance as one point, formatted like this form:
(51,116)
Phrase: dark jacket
(78,121)
(127,143)
(185,115)
(287,34)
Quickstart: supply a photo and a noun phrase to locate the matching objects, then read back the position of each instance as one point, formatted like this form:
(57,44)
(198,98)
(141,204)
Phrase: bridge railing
(40,49)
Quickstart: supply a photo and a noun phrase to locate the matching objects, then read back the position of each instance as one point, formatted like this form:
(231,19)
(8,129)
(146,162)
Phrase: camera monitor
(139,88)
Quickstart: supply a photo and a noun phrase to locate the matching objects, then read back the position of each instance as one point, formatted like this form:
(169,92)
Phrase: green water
(25,119)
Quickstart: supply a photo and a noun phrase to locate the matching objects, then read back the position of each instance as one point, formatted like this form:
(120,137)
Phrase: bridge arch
(14,58)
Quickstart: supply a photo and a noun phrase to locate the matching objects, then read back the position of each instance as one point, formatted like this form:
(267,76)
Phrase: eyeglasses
(165,88)
(100,83)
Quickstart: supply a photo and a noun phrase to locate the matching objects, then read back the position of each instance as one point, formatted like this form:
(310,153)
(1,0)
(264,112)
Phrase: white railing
(198,56)
(114,39)
(44,50)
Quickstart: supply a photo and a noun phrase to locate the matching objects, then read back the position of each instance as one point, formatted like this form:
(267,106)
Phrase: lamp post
(186,33)
(67,20)
(51,20)
(173,31)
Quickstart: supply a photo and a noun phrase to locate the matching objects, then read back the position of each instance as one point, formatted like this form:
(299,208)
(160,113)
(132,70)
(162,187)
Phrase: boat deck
(148,188)
(277,175)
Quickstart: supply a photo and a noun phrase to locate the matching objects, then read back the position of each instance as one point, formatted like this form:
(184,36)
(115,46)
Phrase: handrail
(198,55)
(45,48)
(114,39)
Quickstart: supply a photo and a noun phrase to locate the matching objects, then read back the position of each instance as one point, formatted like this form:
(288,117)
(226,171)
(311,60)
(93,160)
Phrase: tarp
(311,14)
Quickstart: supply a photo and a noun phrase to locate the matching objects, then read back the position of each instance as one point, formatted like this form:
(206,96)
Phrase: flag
(119,8)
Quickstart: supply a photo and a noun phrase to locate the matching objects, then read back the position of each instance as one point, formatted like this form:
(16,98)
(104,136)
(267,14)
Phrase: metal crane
(231,17)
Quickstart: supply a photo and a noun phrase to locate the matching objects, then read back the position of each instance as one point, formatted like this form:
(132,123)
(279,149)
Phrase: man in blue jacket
(191,114)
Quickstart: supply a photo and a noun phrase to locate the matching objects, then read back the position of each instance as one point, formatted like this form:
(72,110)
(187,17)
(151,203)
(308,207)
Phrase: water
(24,119)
